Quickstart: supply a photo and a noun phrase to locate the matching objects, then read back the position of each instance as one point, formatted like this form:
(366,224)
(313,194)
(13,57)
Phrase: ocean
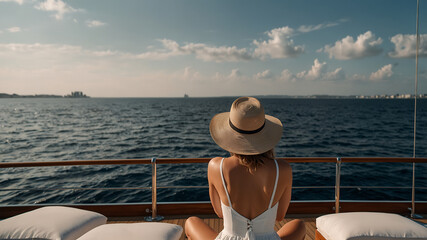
(62,129)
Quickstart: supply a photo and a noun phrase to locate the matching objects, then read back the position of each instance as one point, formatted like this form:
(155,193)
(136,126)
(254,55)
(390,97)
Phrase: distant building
(77,94)
(392,96)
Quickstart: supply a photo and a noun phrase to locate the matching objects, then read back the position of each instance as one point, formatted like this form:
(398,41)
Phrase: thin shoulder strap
(275,184)
(223,182)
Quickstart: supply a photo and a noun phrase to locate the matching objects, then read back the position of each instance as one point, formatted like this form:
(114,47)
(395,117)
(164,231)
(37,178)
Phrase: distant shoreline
(81,95)
(14,95)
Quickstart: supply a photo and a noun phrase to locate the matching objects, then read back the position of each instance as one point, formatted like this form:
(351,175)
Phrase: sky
(204,48)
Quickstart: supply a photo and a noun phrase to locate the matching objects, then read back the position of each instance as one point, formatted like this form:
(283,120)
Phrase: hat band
(244,131)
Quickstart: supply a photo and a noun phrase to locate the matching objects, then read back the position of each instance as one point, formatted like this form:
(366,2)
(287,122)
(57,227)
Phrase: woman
(250,189)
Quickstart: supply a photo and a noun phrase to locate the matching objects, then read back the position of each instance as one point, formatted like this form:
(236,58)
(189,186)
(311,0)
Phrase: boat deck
(217,223)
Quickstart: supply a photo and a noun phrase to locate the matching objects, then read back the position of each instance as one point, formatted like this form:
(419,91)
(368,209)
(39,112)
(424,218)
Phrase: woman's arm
(213,177)
(285,178)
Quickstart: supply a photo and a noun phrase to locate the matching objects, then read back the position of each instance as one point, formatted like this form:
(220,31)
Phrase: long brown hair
(254,161)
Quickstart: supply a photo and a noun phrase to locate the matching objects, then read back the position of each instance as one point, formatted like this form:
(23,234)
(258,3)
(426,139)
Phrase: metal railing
(154,162)
(337,185)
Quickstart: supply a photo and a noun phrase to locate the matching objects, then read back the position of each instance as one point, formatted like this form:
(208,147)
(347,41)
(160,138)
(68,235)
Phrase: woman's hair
(254,161)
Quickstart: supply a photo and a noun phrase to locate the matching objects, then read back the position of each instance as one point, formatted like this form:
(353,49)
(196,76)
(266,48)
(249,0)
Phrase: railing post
(412,208)
(337,185)
(153,217)
(413,191)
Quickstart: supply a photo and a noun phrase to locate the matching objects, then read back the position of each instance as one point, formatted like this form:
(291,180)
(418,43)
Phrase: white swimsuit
(238,227)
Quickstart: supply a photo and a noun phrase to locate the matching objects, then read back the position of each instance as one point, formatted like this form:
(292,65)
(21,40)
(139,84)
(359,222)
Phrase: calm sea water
(80,129)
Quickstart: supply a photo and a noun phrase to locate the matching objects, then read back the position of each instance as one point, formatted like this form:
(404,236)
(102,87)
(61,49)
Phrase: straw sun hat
(246,129)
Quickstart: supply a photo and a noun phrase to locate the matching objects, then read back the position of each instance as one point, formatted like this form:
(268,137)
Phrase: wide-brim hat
(246,129)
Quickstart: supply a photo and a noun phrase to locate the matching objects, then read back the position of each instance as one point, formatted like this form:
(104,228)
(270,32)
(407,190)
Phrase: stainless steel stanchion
(337,185)
(153,217)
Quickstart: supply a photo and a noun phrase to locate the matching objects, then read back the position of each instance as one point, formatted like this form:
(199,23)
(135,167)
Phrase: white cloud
(358,77)
(266,74)
(170,44)
(190,74)
(14,29)
(171,49)
(216,54)
(234,77)
(405,45)
(51,51)
(366,45)
(287,75)
(200,50)
(157,55)
(335,75)
(20,2)
(106,53)
(319,72)
(310,28)
(280,45)
(382,73)
(316,70)
(57,6)
(235,74)
(94,23)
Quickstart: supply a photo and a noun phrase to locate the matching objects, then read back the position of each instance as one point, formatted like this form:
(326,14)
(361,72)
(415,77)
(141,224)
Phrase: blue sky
(210,48)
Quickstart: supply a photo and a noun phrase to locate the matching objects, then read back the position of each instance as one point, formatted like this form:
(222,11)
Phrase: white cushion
(56,223)
(134,231)
(368,226)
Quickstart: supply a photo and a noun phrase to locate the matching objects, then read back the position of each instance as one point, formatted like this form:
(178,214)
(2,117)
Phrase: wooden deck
(217,223)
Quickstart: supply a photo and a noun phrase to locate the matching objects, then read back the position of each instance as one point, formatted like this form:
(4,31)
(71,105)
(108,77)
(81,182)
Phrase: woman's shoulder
(215,162)
(284,166)
(214,169)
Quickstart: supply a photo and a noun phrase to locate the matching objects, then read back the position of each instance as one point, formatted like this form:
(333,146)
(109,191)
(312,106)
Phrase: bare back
(250,193)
